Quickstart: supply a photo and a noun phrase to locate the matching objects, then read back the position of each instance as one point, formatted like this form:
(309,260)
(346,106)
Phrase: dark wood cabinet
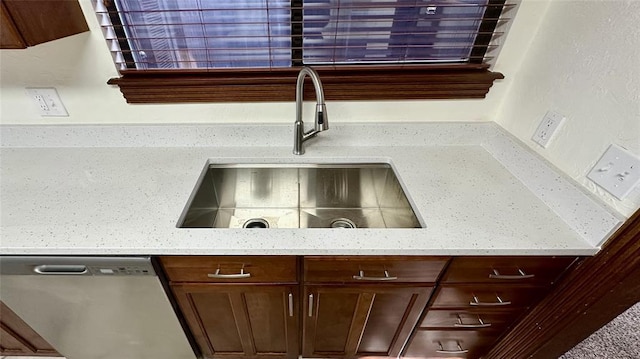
(241,321)
(486,296)
(238,306)
(506,270)
(478,299)
(449,344)
(355,306)
(18,338)
(28,23)
(364,306)
(10,37)
(368,269)
(231,269)
(476,318)
(360,320)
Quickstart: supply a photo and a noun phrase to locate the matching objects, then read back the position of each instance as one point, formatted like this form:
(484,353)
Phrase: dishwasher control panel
(116,270)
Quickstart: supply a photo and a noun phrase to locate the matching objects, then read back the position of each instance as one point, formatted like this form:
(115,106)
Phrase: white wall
(585,64)
(80,65)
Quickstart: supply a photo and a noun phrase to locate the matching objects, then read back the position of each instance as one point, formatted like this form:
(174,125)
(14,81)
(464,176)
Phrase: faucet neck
(315,79)
(321,120)
(316,83)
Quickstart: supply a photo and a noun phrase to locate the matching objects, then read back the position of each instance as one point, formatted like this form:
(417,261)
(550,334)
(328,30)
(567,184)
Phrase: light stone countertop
(120,190)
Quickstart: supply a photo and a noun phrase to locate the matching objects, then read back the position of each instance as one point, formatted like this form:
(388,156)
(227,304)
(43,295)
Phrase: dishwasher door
(95,307)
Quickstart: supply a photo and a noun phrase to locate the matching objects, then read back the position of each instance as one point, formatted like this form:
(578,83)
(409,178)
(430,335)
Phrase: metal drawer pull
(481,324)
(521,275)
(311,305)
(61,269)
(361,276)
(290,305)
(240,275)
(459,351)
(477,303)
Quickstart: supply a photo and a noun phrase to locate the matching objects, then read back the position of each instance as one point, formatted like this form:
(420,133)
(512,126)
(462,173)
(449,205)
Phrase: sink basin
(299,196)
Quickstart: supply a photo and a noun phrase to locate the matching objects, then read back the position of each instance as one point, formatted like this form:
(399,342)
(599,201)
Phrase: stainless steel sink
(299,196)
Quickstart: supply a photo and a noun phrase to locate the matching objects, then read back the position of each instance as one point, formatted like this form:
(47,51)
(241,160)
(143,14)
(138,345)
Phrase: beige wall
(585,64)
(80,65)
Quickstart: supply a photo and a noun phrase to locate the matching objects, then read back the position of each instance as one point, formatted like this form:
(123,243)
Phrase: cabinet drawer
(480,319)
(230,269)
(373,269)
(534,270)
(486,296)
(449,344)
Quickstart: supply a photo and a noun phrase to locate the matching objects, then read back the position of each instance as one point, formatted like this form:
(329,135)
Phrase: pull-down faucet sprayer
(321,120)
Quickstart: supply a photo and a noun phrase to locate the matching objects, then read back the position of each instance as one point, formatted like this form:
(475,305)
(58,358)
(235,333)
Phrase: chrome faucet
(321,121)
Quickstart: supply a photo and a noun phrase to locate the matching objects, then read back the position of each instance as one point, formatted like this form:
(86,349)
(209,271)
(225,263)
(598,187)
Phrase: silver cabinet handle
(240,275)
(459,351)
(290,305)
(481,324)
(64,269)
(521,275)
(311,305)
(500,302)
(386,277)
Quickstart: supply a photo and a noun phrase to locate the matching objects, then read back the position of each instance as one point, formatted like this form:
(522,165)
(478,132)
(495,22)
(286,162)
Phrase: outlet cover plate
(547,128)
(47,101)
(617,171)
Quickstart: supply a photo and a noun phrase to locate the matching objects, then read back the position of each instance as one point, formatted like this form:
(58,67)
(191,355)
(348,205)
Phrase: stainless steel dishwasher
(95,307)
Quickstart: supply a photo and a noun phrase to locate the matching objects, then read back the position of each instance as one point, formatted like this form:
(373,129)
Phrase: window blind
(219,34)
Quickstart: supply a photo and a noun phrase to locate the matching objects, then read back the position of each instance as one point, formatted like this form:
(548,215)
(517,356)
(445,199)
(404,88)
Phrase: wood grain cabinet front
(238,306)
(10,37)
(486,296)
(28,23)
(241,321)
(19,339)
(355,306)
(359,306)
(359,269)
(360,321)
(466,344)
(231,269)
(507,270)
(495,320)
(477,299)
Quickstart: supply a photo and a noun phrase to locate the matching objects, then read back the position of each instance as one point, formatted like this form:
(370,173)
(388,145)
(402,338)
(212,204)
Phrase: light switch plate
(547,128)
(48,101)
(617,171)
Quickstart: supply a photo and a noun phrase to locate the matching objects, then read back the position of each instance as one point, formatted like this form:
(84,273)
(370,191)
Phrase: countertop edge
(592,222)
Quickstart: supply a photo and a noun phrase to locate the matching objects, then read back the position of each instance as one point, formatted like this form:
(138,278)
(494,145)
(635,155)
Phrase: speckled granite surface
(121,189)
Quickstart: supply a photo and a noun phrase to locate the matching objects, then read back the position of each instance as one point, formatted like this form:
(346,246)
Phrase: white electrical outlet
(617,171)
(547,128)
(47,101)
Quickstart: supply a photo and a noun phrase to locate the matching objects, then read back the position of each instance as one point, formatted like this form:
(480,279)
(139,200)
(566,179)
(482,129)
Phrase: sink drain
(343,223)
(256,223)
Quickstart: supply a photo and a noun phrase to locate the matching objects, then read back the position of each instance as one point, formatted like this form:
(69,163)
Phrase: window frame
(470,80)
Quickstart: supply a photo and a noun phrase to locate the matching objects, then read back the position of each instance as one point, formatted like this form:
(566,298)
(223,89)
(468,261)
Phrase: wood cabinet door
(17,337)
(10,37)
(241,321)
(363,320)
(38,21)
